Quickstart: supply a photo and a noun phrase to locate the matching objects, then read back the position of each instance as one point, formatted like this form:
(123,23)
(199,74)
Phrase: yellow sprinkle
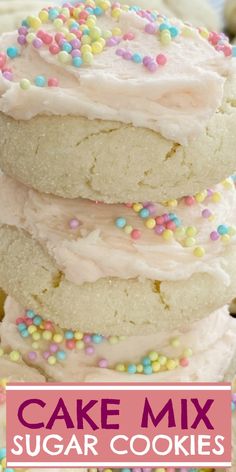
(128,229)
(153,356)
(172,203)
(64,30)
(14,356)
(64,57)
(150,223)
(165,37)
(86,48)
(90,22)
(162,360)
(116,32)
(66,12)
(188,352)
(171,364)
(35,345)
(80,345)
(120,368)
(30,37)
(190,242)
(139,368)
(180,233)
(1,352)
(43,16)
(107,470)
(216,197)
(212,218)
(47,335)
(199,251)
(227,183)
(204,33)
(175,342)
(102,42)
(32,329)
(58,24)
(76,12)
(156,366)
(25,84)
(97,47)
(88,58)
(160,469)
(232,231)
(137,207)
(200,197)
(78,335)
(167,234)
(191,231)
(225,238)
(36,336)
(58,338)
(116,12)
(3,382)
(52,360)
(187,32)
(106,34)
(4,463)
(34,22)
(95,33)
(86,40)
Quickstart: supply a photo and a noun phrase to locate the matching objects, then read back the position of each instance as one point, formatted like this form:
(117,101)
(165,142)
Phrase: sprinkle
(14,356)
(161,59)
(136,234)
(40,81)
(12,52)
(199,251)
(206,213)
(37,43)
(103,363)
(167,234)
(137,58)
(214,236)
(223,229)
(53,82)
(120,222)
(3,59)
(25,84)
(189,201)
(74,223)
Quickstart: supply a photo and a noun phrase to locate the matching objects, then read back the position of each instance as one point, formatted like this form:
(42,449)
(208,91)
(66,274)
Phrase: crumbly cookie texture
(109,306)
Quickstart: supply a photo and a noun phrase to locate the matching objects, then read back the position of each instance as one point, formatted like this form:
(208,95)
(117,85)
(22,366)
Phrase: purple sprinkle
(103,363)
(152,66)
(75,53)
(21,39)
(89,350)
(23,30)
(111,42)
(234,397)
(159,229)
(53,347)
(61,42)
(37,43)
(75,43)
(206,213)
(127,55)
(87,339)
(166,217)
(209,192)
(46,355)
(120,52)
(150,28)
(146,60)
(74,223)
(152,209)
(32,356)
(8,75)
(214,236)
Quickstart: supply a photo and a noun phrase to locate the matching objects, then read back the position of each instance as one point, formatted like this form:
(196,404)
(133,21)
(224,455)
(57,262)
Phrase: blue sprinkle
(146,361)
(61,355)
(12,52)
(223,229)
(30,314)
(144,213)
(174,31)
(120,222)
(77,61)
(98,11)
(21,327)
(3,453)
(69,335)
(37,320)
(25,23)
(164,26)
(97,339)
(132,369)
(147,370)
(40,81)
(24,333)
(137,58)
(53,13)
(67,47)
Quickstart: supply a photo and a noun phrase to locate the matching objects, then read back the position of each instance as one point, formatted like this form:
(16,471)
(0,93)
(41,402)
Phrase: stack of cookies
(117,205)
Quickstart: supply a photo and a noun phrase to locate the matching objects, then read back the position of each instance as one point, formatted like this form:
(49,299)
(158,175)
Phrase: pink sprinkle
(53,82)
(37,43)
(170,469)
(53,347)
(136,234)
(112,42)
(59,37)
(150,28)
(152,66)
(161,59)
(47,38)
(206,213)
(3,59)
(120,52)
(127,55)
(48,325)
(189,201)
(214,236)
(171,225)
(159,229)
(129,205)
(20,320)
(184,362)
(103,363)
(152,209)
(160,220)
(75,43)
(75,53)
(28,322)
(87,339)
(74,223)
(128,36)
(146,60)
(70,344)
(54,49)
(32,356)
(23,30)
(166,217)
(89,350)
(46,355)
(227,50)
(21,40)
(7,75)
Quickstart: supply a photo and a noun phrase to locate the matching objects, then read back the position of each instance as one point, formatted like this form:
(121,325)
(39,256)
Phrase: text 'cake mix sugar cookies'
(113,99)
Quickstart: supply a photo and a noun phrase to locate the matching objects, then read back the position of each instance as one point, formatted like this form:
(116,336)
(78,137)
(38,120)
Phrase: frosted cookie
(118,269)
(111,119)
(12,12)
(185,355)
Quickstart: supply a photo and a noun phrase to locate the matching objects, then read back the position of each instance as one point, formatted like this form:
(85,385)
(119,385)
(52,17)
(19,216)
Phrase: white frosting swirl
(98,249)
(178,100)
